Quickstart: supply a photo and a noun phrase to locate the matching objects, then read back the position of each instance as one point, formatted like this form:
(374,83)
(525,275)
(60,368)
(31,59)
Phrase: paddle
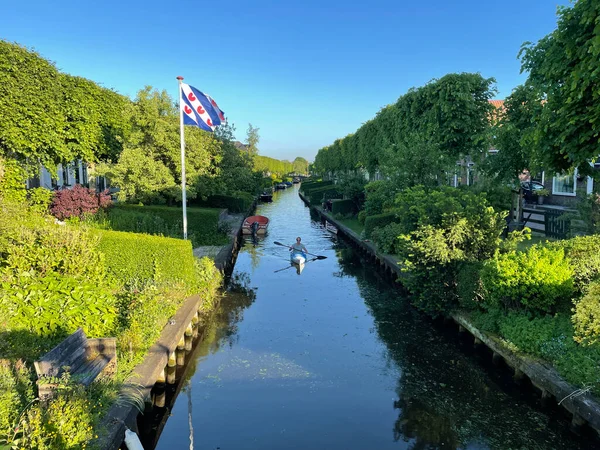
(311,254)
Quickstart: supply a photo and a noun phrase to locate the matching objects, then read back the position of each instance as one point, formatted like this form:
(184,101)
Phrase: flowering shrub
(78,202)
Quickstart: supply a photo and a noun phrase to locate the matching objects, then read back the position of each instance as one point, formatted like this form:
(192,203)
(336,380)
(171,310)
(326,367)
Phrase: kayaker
(298,246)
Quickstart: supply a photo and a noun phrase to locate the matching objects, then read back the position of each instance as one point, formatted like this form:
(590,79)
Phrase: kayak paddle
(311,254)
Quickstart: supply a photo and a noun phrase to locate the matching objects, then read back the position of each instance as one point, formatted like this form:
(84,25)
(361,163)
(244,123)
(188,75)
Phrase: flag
(200,109)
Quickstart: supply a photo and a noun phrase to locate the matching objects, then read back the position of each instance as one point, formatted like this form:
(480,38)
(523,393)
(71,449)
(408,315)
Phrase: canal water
(335,358)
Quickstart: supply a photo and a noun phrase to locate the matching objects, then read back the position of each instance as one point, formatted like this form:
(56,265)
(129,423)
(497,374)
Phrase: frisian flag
(200,109)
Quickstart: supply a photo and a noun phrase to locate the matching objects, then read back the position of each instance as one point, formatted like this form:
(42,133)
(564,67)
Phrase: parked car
(531,189)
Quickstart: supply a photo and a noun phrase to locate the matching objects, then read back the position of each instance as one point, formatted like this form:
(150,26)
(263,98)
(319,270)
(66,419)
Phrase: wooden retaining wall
(584,407)
(163,357)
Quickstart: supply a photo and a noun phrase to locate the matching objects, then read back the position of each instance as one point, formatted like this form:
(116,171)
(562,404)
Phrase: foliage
(203,223)
(237,202)
(513,130)
(444,119)
(16,392)
(535,280)
(584,256)
(274,166)
(387,237)
(589,212)
(77,202)
(48,117)
(140,177)
(562,69)
(317,195)
(308,187)
(300,165)
(12,180)
(253,138)
(379,197)
(469,286)
(165,259)
(362,216)
(40,199)
(586,317)
(352,187)
(442,229)
(342,206)
(378,221)
(498,195)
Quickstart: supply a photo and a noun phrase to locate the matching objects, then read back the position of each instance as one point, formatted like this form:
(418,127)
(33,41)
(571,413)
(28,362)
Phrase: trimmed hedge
(140,258)
(378,221)
(167,221)
(308,188)
(342,206)
(316,195)
(238,203)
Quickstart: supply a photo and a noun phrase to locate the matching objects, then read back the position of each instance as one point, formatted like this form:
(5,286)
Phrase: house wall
(582,188)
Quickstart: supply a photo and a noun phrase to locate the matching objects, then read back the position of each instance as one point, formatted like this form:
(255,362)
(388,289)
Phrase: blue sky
(304,72)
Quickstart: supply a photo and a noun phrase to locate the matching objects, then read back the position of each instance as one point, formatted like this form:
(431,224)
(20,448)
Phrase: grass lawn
(353,224)
(535,239)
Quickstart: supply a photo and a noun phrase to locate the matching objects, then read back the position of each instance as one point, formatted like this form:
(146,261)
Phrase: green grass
(353,224)
(535,239)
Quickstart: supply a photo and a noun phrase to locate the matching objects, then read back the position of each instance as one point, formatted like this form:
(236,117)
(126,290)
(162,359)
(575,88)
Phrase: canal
(335,358)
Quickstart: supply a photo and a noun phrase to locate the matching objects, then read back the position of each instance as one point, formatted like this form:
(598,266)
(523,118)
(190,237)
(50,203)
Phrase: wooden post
(496,358)
(518,376)
(476,341)
(180,357)
(172,360)
(161,377)
(171,375)
(159,399)
(181,343)
(188,343)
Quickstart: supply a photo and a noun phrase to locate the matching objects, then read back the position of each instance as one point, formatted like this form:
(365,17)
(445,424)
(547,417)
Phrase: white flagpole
(183,198)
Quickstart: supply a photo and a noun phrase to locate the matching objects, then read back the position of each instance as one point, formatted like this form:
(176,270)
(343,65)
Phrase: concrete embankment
(583,406)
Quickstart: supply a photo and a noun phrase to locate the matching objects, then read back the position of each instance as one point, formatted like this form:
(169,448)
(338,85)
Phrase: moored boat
(255,225)
(266,196)
(281,186)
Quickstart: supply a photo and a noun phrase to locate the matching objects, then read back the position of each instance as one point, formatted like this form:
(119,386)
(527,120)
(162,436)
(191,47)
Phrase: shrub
(342,207)
(584,255)
(16,391)
(442,229)
(133,258)
(239,202)
(469,286)
(378,221)
(387,238)
(362,215)
(308,188)
(586,317)
(40,199)
(203,223)
(536,279)
(77,202)
(317,195)
(379,196)
(12,181)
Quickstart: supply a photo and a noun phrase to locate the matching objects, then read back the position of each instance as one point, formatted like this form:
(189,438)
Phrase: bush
(442,229)
(40,199)
(379,196)
(317,196)
(133,258)
(342,207)
(584,255)
(469,286)
(203,223)
(307,188)
(586,317)
(387,238)
(77,202)
(240,202)
(362,215)
(12,181)
(378,221)
(16,391)
(536,279)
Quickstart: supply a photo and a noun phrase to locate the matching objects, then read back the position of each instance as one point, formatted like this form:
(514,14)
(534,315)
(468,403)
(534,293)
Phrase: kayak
(298,258)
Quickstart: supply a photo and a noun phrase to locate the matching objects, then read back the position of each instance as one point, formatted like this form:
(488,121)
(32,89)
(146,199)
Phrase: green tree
(563,70)
(253,138)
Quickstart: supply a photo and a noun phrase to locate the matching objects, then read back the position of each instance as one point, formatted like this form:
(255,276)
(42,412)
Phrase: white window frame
(565,194)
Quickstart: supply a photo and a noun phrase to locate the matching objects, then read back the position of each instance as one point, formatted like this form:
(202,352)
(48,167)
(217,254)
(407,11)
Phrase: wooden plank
(64,354)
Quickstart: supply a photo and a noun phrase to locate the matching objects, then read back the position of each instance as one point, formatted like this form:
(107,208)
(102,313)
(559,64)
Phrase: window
(564,184)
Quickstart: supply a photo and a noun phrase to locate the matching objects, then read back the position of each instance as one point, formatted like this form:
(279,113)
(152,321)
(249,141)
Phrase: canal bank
(335,357)
(185,329)
(583,407)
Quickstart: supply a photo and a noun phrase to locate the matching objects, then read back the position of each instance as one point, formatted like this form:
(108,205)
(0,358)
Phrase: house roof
(497,103)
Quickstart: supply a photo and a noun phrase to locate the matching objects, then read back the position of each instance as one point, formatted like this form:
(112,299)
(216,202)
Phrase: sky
(304,72)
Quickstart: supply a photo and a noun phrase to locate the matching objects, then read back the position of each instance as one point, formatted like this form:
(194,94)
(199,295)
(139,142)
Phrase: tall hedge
(342,206)
(378,221)
(316,196)
(452,112)
(142,258)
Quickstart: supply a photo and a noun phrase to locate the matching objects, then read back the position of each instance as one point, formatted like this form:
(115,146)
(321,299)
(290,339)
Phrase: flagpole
(183,198)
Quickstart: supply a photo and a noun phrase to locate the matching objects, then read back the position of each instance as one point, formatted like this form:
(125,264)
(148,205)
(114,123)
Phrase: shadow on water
(337,358)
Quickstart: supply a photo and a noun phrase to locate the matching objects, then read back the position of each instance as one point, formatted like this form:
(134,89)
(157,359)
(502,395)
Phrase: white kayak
(298,258)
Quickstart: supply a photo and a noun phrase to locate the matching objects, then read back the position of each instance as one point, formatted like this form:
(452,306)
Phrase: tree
(563,70)
(253,138)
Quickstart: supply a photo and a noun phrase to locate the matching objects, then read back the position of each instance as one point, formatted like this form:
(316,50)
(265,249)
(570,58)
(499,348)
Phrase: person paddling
(298,247)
